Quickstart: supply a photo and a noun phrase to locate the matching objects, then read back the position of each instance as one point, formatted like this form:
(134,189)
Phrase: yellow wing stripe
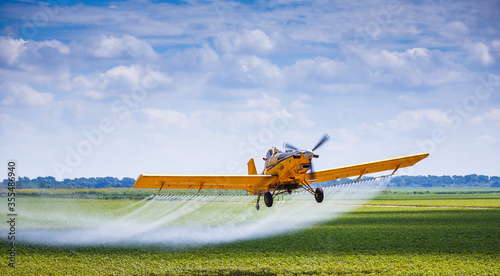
(232,182)
(366,168)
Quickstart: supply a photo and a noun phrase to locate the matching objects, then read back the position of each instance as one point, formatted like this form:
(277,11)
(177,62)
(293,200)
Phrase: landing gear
(319,195)
(268,199)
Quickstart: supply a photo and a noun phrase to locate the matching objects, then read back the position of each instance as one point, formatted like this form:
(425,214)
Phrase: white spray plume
(190,219)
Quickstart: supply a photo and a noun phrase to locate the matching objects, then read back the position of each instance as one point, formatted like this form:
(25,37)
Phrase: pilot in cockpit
(272,152)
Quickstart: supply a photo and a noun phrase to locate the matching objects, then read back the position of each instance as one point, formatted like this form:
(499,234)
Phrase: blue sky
(198,87)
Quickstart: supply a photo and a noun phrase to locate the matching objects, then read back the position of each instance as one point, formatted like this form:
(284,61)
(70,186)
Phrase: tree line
(455,181)
(445,181)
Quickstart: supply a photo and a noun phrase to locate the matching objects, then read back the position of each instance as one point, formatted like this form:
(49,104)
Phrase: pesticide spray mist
(191,220)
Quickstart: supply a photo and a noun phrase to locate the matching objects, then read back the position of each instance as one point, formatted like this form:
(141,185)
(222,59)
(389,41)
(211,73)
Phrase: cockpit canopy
(272,152)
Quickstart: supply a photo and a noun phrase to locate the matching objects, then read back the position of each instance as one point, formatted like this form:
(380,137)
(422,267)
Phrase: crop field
(393,234)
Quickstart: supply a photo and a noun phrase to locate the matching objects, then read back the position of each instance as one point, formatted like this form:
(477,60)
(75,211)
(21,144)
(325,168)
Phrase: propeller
(322,141)
(319,144)
(289,146)
(310,152)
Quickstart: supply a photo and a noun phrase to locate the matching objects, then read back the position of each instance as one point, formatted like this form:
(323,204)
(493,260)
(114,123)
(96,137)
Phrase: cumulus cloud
(300,103)
(26,53)
(455,29)
(244,42)
(164,119)
(127,46)
(491,116)
(11,49)
(412,119)
(494,114)
(480,53)
(134,76)
(319,69)
(486,139)
(248,70)
(24,95)
(495,45)
(416,66)
(203,58)
(118,80)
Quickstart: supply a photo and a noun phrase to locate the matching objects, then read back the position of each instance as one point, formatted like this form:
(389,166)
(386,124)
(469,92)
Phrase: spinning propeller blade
(313,176)
(322,141)
(319,144)
(289,146)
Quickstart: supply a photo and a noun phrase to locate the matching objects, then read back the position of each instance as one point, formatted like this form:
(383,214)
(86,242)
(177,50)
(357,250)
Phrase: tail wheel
(318,194)
(268,199)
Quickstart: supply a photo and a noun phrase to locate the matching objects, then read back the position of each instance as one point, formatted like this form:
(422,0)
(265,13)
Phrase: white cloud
(249,69)
(25,52)
(409,68)
(455,29)
(480,53)
(495,45)
(492,116)
(204,58)
(6,120)
(159,119)
(24,95)
(92,94)
(134,76)
(299,104)
(56,44)
(414,67)
(410,120)
(486,139)
(127,46)
(119,80)
(10,49)
(244,42)
(319,69)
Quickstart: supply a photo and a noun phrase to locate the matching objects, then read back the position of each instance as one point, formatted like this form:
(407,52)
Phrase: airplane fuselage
(290,167)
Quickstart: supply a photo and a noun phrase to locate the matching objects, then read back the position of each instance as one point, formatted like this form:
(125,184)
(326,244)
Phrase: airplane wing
(366,168)
(232,182)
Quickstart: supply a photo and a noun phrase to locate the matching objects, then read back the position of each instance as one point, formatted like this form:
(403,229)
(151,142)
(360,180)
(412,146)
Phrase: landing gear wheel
(268,199)
(257,206)
(319,195)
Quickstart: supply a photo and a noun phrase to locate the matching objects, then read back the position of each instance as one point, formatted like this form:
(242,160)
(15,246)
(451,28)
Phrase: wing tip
(137,181)
(422,155)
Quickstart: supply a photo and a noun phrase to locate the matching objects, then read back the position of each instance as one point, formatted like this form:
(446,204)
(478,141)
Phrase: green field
(373,239)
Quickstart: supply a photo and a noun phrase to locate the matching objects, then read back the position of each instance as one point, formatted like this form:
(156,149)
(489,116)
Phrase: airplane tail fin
(252,170)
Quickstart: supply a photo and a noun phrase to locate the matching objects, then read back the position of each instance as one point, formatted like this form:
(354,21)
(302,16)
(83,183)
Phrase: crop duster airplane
(283,172)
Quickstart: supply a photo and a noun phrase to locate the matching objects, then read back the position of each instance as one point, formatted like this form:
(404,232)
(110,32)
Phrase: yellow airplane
(283,173)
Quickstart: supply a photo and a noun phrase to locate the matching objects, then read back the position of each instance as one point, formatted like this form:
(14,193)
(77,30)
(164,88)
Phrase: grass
(441,198)
(370,240)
